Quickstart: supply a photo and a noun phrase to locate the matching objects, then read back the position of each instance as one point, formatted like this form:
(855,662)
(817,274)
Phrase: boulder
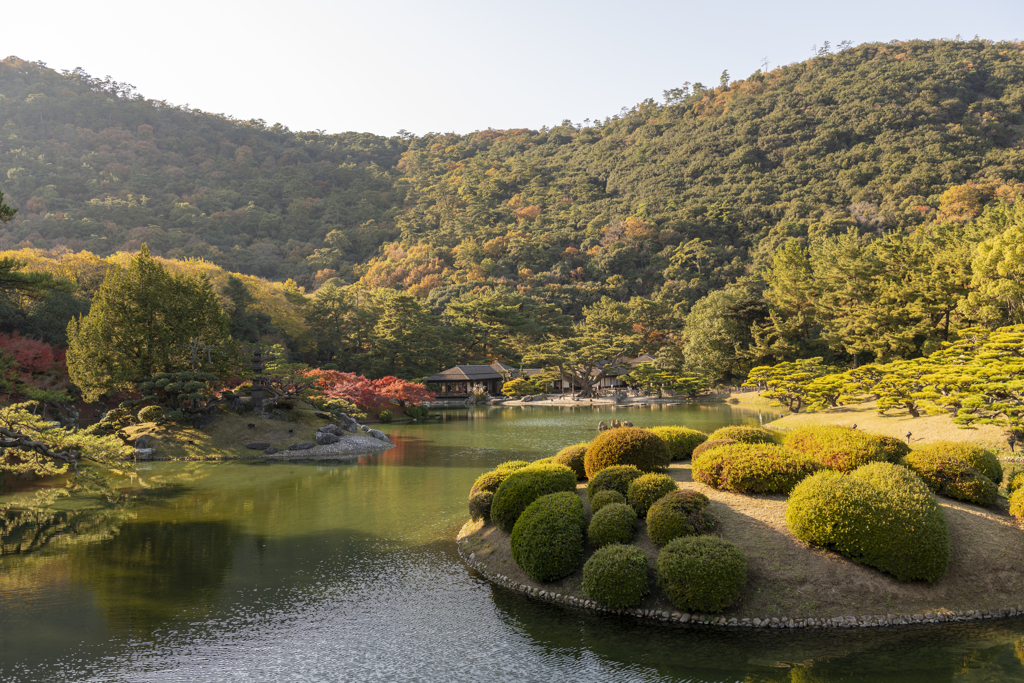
(302,446)
(144,453)
(377,434)
(257,445)
(601,426)
(332,429)
(202,421)
(324,438)
(323,416)
(270,451)
(237,404)
(347,423)
(144,441)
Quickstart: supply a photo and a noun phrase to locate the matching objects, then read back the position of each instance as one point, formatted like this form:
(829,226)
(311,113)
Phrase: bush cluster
(680,440)
(613,523)
(742,434)
(490,481)
(753,468)
(1017,503)
(616,576)
(606,497)
(701,573)
(626,446)
(151,414)
(839,448)
(646,489)
(547,539)
(896,449)
(709,444)
(614,478)
(681,513)
(572,457)
(981,459)
(480,506)
(952,477)
(526,485)
(882,515)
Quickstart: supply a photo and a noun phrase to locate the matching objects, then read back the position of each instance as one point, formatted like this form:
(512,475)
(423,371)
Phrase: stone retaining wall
(865,621)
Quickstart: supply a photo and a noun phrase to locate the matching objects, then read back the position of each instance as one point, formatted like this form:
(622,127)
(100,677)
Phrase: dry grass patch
(787,577)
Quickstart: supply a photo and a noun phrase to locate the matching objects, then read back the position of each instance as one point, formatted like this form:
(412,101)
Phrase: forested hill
(666,200)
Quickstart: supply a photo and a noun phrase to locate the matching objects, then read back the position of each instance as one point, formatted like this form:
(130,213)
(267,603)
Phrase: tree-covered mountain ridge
(671,200)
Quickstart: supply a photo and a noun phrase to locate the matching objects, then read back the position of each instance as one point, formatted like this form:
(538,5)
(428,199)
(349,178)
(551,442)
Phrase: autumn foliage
(368,394)
(30,368)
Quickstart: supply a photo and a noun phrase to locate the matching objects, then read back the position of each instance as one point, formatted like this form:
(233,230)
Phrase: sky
(382,66)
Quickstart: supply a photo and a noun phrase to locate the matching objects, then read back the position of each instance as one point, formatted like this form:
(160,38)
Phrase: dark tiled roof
(470,373)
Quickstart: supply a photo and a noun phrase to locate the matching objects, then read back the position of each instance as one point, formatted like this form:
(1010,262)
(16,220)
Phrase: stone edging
(866,621)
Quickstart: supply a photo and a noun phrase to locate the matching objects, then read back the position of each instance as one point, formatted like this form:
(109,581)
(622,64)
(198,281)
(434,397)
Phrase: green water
(347,571)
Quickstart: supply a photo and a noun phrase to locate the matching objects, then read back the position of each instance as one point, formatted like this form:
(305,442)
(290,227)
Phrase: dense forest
(859,206)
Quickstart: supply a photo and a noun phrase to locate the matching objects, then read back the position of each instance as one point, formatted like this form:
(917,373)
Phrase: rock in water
(601,426)
(144,441)
(144,453)
(377,434)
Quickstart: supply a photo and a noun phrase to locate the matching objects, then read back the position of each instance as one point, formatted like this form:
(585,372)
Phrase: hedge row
(842,449)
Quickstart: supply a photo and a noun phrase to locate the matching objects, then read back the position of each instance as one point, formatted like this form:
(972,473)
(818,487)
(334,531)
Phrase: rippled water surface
(347,571)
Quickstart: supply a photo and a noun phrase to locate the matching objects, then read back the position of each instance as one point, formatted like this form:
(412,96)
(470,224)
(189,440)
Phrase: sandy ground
(786,577)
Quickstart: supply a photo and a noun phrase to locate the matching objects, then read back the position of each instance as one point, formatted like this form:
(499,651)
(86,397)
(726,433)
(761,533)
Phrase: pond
(338,571)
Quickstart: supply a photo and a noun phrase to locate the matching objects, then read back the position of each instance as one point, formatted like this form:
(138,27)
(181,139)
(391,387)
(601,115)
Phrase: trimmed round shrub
(544,461)
(682,513)
(607,497)
(952,477)
(1017,503)
(981,459)
(701,573)
(646,489)
(626,446)
(1014,482)
(753,468)
(616,576)
(547,539)
(882,515)
(151,414)
(480,506)
(708,445)
(743,434)
(572,457)
(897,449)
(614,523)
(839,448)
(490,481)
(524,486)
(614,478)
(680,440)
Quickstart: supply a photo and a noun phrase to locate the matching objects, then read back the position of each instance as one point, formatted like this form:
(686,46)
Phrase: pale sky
(456,65)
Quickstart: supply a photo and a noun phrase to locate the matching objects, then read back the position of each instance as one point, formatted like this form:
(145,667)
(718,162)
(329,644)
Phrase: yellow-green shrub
(480,506)
(490,481)
(882,515)
(950,476)
(606,497)
(708,445)
(753,468)
(547,539)
(981,459)
(680,440)
(526,485)
(743,434)
(614,478)
(682,513)
(646,489)
(701,573)
(614,523)
(1017,503)
(626,446)
(616,576)
(572,457)
(1014,482)
(839,448)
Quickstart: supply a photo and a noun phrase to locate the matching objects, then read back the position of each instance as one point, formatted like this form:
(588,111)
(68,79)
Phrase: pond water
(348,571)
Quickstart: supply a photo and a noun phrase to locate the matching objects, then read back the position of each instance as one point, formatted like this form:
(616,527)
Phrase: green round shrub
(385,416)
(950,476)
(572,457)
(614,478)
(607,497)
(1014,482)
(708,445)
(616,576)
(896,449)
(1017,503)
(743,434)
(526,485)
(646,489)
(490,481)
(480,506)
(981,459)
(547,539)
(680,440)
(701,573)
(753,468)
(839,448)
(682,513)
(613,523)
(544,461)
(882,515)
(151,414)
(626,446)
